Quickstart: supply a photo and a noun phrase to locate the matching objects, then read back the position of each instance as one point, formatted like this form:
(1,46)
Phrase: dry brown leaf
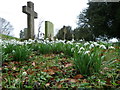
(6,64)
(59,86)
(68,65)
(55,68)
(37,67)
(33,63)
(118,82)
(84,81)
(48,84)
(78,76)
(30,72)
(108,81)
(14,68)
(49,71)
(73,80)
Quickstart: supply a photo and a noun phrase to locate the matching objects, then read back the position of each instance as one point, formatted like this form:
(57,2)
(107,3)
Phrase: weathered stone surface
(49,30)
(21,34)
(31,15)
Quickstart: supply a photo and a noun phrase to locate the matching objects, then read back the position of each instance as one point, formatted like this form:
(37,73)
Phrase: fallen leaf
(49,71)
(33,63)
(84,81)
(30,72)
(37,67)
(55,68)
(5,64)
(73,80)
(48,84)
(118,82)
(78,76)
(108,81)
(59,86)
(68,65)
(14,68)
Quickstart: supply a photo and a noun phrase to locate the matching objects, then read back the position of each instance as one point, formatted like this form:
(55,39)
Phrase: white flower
(13,51)
(87,43)
(113,40)
(16,80)
(24,73)
(72,49)
(4,46)
(69,42)
(103,47)
(81,40)
(82,48)
(111,47)
(77,45)
(91,46)
(96,44)
(86,52)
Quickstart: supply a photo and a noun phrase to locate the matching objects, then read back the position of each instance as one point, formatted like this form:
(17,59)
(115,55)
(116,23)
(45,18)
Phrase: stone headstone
(21,34)
(65,31)
(49,30)
(25,33)
(31,15)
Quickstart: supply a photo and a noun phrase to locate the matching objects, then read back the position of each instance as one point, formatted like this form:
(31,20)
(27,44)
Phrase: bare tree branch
(5,27)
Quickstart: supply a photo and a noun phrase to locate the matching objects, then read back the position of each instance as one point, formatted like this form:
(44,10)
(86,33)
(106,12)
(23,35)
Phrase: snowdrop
(113,40)
(103,47)
(77,46)
(95,43)
(111,47)
(91,46)
(86,52)
(4,46)
(72,49)
(69,42)
(82,48)
(13,51)
(87,43)
(24,73)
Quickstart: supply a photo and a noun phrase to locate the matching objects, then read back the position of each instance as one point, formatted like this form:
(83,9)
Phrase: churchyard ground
(60,64)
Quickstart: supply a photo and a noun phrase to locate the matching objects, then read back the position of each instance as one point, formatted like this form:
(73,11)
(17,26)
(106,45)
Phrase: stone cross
(31,14)
(49,30)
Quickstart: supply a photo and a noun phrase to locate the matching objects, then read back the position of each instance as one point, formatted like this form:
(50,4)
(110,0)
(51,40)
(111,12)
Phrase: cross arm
(26,10)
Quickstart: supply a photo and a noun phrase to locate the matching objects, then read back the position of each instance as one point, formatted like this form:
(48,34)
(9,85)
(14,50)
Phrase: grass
(5,37)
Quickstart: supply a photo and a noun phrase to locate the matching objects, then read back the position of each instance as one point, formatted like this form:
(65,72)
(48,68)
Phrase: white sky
(59,12)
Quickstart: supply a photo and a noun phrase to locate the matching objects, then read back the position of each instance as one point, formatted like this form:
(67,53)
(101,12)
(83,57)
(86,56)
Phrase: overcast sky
(59,12)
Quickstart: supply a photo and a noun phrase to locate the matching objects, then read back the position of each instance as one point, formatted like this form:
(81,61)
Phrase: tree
(5,27)
(102,19)
(65,33)
(40,34)
(83,33)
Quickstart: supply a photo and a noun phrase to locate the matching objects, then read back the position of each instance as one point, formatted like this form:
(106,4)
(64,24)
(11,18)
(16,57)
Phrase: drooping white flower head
(113,40)
(24,73)
(82,48)
(86,52)
(111,47)
(72,49)
(87,43)
(102,46)
(91,46)
(95,43)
